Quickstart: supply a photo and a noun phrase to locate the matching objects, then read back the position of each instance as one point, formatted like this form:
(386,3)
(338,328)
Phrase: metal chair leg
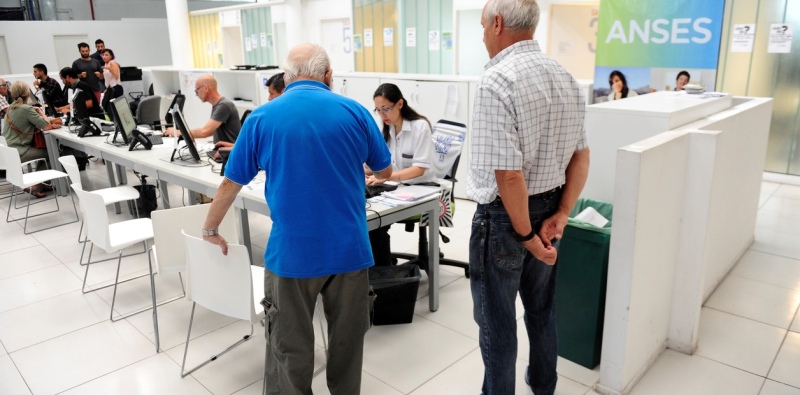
(184,372)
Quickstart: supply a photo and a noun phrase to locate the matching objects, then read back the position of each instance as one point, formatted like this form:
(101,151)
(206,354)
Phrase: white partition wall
(685,204)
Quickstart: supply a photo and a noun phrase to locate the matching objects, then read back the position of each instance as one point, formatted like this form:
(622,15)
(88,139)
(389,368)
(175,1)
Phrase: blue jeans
(499,268)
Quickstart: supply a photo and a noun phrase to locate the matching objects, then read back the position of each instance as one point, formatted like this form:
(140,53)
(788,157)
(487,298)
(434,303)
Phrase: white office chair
(169,256)
(9,158)
(226,284)
(110,195)
(112,237)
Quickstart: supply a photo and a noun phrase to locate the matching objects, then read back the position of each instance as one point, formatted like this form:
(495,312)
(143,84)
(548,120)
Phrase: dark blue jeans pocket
(506,251)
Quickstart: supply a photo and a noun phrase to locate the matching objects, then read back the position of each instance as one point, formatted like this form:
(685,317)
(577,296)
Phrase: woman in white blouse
(408,135)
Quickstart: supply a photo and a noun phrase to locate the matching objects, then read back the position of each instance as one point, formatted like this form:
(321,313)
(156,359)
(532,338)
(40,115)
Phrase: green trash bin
(581,290)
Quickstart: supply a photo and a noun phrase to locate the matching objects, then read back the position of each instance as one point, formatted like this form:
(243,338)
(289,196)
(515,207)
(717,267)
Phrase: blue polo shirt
(312,144)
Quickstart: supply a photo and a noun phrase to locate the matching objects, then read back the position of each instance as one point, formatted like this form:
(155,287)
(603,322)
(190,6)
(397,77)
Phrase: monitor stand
(183,162)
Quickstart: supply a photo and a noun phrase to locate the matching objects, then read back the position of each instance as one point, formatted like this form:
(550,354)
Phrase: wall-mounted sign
(358,44)
(780,38)
(367,37)
(388,37)
(434,40)
(411,37)
(447,40)
(744,35)
(263,39)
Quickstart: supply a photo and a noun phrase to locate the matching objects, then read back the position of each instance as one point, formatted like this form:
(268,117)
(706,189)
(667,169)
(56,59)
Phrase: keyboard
(375,190)
(156,139)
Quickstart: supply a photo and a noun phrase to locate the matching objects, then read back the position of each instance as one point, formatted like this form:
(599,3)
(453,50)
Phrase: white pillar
(295,32)
(180,39)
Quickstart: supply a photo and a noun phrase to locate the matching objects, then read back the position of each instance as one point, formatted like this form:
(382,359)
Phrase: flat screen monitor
(180,123)
(79,109)
(121,112)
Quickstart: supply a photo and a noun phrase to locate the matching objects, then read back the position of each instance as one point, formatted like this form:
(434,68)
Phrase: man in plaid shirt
(529,162)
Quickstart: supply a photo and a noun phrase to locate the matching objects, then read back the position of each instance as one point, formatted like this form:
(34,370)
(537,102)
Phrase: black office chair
(245,115)
(448,138)
(179,99)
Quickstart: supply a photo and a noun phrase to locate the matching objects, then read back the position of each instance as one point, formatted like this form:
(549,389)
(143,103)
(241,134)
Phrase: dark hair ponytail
(392,93)
(621,78)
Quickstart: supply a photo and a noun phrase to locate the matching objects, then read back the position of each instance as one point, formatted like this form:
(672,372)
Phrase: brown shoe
(35,192)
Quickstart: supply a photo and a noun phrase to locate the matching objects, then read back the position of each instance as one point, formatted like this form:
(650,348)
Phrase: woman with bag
(23,130)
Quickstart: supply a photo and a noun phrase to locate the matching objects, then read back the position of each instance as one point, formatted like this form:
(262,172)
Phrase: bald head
(307,61)
(206,89)
(206,79)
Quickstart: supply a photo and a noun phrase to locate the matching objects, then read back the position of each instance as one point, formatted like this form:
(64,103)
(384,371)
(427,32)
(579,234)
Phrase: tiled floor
(54,339)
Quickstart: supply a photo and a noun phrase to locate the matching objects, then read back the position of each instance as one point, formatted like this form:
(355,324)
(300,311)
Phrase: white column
(180,38)
(295,32)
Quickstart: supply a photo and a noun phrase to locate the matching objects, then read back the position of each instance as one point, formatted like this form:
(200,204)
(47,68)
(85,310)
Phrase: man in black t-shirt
(99,45)
(89,70)
(70,79)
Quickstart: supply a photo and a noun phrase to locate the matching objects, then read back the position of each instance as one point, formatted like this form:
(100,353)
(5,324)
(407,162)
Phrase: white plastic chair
(9,158)
(28,164)
(112,237)
(110,195)
(226,284)
(169,256)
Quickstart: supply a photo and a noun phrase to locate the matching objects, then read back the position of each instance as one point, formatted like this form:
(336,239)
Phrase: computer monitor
(79,109)
(123,118)
(180,123)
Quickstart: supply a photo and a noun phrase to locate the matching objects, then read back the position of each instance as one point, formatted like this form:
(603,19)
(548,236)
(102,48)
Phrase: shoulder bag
(38,136)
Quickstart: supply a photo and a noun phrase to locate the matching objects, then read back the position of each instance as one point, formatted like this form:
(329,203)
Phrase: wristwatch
(523,239)
(210,232)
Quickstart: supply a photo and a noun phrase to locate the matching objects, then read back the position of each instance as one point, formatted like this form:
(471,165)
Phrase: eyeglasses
(198,88)
(384,110)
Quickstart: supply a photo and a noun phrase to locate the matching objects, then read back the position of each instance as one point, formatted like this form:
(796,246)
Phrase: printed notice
(388,37)
(447,40)
(247,46)
(744,35)
(263,39)
(357,43)
(367,37)
(434,40)
(411,37)
(780,38)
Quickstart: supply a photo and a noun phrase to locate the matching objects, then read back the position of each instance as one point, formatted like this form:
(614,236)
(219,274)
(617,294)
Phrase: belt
(541,195)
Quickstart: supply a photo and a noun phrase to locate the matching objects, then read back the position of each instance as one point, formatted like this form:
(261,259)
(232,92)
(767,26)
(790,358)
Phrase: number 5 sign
(347,39)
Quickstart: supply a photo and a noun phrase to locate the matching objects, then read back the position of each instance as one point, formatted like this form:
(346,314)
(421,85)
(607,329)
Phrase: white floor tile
(787,364)
(59,233)
(774,388)
(35,286)
(76,358)
(16,240)
(25,261)
(457,315)
(783,205)
(400,355)
(445,278)
(796,323)
(242,366)
(757,343)
(781,222)
(155,375)
(676,373)
(173,321)
(759,301)
(12,382)
(776,243)
(768,268)
(767,190)
(787,191)
(50,318)
(369,385)
(578,373)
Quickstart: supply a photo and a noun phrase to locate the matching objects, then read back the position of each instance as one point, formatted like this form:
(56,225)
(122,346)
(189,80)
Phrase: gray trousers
(290,333)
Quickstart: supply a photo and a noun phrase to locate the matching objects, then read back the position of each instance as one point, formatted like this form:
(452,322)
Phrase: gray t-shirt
(89,67)
(225,111)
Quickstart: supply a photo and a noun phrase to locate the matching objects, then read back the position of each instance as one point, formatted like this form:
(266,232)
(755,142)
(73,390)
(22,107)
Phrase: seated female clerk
(408,135)
(22,120)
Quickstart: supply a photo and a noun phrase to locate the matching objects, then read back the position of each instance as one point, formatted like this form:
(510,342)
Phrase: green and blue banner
(651,41)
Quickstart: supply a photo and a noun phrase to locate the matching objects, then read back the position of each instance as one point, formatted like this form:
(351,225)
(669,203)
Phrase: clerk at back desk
(224,123)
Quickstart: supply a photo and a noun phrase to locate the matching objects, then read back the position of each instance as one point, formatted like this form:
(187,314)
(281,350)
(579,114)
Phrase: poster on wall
(388,37)
(367,37)
(646,45)
(254,41)
(447,40)
(434,40)
(247,45)
(263,36)
(780,38)
(572,37)
(744,35)
(358,45)
(411,37)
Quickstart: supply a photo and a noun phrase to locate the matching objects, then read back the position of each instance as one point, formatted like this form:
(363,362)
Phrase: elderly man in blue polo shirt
(318,245)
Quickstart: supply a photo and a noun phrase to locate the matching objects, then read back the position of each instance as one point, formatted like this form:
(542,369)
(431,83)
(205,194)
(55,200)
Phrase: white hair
(311,61)
(519,15)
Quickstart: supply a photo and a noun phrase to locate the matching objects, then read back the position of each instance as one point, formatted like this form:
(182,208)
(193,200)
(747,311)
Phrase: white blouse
(412,147)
